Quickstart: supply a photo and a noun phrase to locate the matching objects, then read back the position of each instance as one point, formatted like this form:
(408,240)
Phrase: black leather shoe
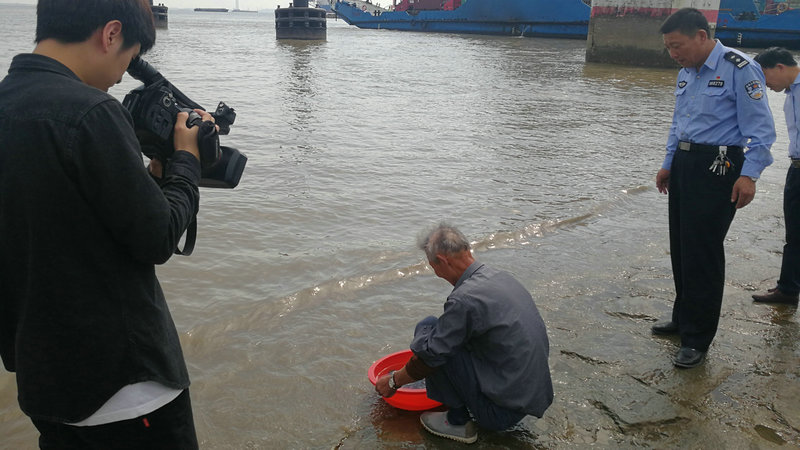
(688,357)
(669,327)
(776,296)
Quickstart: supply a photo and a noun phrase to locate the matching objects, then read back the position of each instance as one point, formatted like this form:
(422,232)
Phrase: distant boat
(211,9)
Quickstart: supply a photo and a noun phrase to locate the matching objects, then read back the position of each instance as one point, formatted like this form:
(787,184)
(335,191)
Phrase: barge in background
(740,23)
(562,18)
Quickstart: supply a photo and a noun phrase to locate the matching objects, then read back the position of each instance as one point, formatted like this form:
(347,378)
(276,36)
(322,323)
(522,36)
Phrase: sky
(230,4)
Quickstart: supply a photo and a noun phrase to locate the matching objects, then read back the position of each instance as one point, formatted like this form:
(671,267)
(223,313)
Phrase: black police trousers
(789,281)
(700,213)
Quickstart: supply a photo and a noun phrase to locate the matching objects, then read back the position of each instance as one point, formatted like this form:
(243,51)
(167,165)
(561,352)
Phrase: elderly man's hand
(382,386)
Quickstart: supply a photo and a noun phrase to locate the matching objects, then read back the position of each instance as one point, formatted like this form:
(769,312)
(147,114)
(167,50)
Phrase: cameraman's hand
(186,138)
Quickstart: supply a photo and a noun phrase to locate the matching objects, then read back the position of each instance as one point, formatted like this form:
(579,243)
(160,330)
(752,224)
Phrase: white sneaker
(436,423)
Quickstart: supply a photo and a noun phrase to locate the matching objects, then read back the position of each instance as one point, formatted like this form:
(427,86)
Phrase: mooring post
(299,21)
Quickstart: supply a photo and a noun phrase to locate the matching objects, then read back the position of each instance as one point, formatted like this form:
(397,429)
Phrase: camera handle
(207,139)
(194,118)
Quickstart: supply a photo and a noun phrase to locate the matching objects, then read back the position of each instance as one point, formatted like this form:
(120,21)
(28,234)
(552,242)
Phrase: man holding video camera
(83,320)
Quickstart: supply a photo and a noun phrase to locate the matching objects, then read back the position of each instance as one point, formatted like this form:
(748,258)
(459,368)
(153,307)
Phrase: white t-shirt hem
(130,402)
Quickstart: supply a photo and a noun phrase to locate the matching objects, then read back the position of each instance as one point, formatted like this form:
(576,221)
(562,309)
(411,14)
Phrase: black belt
(692,147)
(795,163)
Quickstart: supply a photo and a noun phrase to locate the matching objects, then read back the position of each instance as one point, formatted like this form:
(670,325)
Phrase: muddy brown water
(307,273)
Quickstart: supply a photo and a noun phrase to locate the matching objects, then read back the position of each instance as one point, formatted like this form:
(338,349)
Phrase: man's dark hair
(72,21)
(773,56)
(686,20)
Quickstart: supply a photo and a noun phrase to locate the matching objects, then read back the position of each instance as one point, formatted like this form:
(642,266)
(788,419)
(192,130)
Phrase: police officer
(720,106)
(783,75)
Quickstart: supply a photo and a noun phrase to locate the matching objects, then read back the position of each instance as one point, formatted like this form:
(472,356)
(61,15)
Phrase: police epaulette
(736,59)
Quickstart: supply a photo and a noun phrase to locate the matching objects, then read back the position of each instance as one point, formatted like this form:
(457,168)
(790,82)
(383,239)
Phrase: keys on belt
(721,164)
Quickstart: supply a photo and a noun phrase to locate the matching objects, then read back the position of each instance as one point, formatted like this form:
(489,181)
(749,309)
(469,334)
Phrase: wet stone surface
(619,387)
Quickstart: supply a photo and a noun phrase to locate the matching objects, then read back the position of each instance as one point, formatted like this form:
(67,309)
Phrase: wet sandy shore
(615,384)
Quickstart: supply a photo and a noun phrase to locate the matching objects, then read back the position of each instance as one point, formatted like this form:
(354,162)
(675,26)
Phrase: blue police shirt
(724,103)
(791,108)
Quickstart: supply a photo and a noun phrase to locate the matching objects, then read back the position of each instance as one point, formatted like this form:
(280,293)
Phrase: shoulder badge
(754,89)
(736,59)
(682,84)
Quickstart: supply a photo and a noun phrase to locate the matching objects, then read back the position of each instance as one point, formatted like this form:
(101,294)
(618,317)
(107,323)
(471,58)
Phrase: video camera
(155,107)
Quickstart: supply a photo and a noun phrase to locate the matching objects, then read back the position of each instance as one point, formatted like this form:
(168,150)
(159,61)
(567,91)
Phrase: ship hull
(768,30)
(567,18)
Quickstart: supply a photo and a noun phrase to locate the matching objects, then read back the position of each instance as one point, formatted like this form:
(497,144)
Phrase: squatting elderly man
(485,357)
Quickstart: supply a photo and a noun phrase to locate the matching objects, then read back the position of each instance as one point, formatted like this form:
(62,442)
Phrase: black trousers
(789,281)
(169,427)
(456,385)
(700,213)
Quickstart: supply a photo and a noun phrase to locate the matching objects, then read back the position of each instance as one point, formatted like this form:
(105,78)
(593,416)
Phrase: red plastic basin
(410,399)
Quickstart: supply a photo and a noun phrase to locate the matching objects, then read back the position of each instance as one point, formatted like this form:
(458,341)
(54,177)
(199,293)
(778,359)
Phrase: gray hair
(442,238)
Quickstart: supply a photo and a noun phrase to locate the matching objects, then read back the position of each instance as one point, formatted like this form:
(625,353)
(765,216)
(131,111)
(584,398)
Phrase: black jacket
(82,225)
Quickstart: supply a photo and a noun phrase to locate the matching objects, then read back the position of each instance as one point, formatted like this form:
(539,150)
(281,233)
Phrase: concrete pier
(627,31)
